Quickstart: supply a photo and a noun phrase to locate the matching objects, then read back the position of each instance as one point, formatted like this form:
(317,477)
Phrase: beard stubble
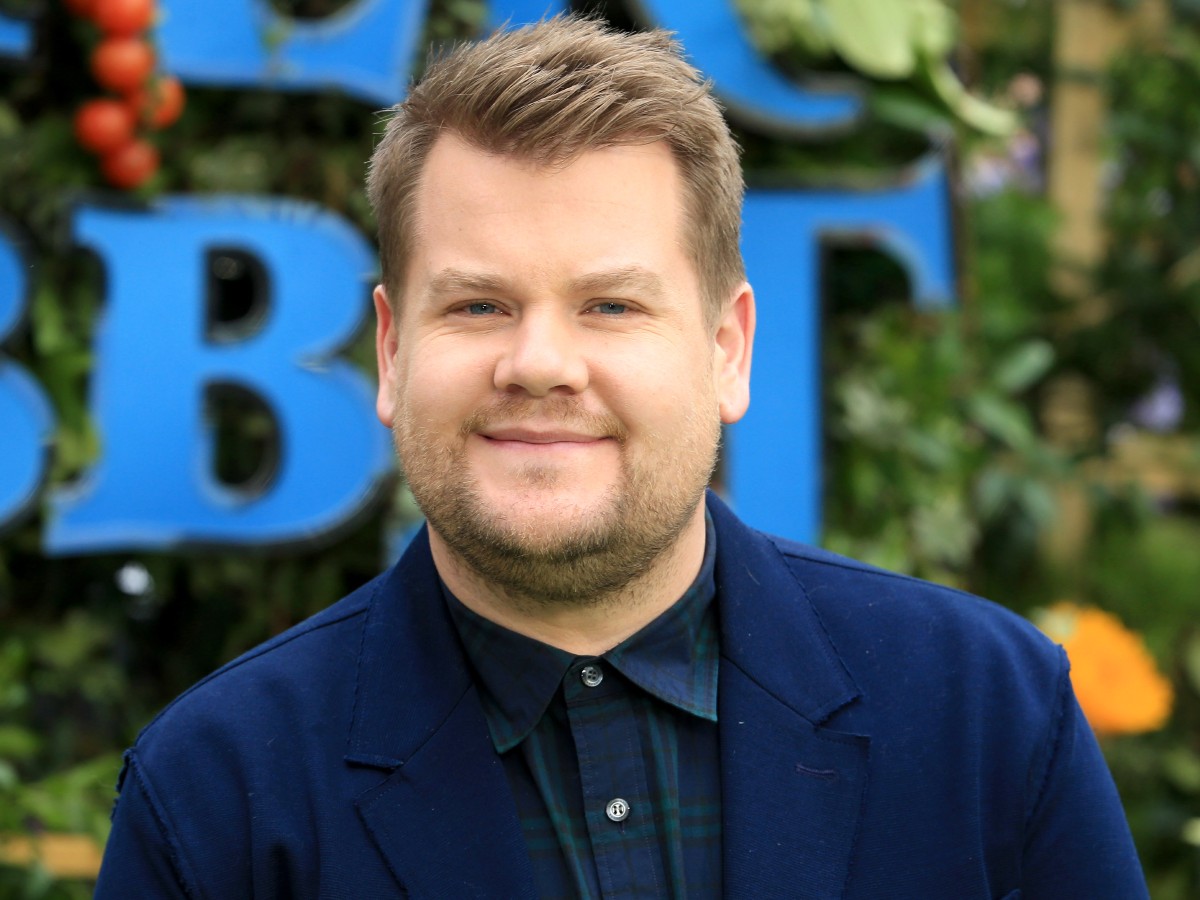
(568,561)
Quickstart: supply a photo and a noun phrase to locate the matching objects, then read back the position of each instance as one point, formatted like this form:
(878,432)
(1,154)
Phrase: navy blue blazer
(880,738)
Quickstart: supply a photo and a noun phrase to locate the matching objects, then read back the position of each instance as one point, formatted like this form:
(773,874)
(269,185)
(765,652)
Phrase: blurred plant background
(1038,444)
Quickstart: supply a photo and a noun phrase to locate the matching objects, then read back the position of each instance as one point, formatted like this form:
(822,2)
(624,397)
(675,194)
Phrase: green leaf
(974,112)
(932,29)
(50,333)
(17,742)
(77,638)
(1191,832)
(929,449)
(944,531)
(470,11)
(1024,366)
(1037,501)
(1001,418)
(993,492)
(1182,768)
(903,107)
(873,35)
(10,123)
(777,26)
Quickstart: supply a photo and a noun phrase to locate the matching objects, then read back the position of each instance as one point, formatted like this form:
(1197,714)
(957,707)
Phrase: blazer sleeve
(142,859)
(1077,843)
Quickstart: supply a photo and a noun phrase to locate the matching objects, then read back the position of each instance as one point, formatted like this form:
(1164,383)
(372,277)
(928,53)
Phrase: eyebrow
(461,281)
(633,280)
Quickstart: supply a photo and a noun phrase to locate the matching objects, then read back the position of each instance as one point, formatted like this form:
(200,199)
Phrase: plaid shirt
(613,760)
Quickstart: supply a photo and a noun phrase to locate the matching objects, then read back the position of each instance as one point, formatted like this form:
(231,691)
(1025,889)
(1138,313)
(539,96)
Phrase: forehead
(617,206)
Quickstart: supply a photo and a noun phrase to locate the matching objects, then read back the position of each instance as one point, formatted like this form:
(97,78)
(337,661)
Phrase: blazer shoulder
(854,569)
(316,650)
(858,582)
(881,628)
(865,607)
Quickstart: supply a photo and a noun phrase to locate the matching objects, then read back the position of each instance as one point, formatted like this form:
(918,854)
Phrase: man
(584,679)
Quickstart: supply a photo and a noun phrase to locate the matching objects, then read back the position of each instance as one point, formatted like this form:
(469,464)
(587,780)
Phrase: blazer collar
(411,668)
(769,629)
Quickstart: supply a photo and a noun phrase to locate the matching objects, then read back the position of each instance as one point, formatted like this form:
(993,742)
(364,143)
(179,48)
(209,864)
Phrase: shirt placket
(616,794)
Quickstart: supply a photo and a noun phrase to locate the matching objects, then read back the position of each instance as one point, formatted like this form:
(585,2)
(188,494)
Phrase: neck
(581,629)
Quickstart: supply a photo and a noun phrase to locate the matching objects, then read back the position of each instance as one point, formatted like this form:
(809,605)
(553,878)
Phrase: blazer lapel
(791,793)
(792,787)
(444,818)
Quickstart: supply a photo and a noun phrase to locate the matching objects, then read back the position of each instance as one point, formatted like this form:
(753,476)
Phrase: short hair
(549,92)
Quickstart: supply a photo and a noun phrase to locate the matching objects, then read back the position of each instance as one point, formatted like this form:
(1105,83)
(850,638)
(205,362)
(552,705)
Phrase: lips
(553,420)
(527,435)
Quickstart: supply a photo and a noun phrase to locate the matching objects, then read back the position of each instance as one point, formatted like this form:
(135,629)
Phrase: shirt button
(592,676)
(617,809)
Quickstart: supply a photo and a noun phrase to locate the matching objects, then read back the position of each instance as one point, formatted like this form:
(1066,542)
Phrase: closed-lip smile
(527,435)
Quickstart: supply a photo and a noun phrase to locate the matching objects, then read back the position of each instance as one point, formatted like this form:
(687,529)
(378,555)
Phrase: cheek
(436,383)
(662,392)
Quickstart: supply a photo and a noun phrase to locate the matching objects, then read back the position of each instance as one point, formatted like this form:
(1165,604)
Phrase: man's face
(553,388)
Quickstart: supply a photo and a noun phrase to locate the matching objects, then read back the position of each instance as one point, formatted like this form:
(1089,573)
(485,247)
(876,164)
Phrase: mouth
(526,435)
(551,423)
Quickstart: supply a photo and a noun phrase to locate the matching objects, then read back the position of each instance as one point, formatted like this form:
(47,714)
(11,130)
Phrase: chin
(549,524)
(561,499)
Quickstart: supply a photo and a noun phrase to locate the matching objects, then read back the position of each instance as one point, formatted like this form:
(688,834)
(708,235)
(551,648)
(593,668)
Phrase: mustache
(559,410)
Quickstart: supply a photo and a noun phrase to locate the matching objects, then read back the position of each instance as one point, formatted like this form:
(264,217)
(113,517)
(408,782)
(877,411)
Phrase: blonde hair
(549,92)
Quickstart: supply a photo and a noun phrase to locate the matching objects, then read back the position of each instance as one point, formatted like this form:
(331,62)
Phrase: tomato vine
(141,99)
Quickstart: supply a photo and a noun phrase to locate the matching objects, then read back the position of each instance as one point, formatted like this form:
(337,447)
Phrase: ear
(385,356)
(734,347)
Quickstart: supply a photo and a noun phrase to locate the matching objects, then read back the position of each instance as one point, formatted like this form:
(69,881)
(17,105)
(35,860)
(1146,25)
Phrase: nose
(543,356)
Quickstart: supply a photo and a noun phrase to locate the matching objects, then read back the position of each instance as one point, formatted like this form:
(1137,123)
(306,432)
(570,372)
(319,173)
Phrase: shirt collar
(674,658)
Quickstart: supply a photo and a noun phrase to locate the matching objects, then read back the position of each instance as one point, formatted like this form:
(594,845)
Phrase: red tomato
(81,8)
(159,103)
(104,125)
(130,166)
(122,64)
(123,17)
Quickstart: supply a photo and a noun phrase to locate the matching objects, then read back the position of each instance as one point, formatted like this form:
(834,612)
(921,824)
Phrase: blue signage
(158,360)
(774,461)
(754,92)
(366,49)
(27,424)
(16,37)
(155,484)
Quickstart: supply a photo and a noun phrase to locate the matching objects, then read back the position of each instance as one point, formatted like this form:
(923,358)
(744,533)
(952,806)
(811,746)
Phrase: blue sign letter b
(25,423)
(159,357)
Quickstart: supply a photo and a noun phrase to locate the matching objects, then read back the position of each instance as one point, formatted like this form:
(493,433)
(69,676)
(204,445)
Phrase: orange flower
(1114,675)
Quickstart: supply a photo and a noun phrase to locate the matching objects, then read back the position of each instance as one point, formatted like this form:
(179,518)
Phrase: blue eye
(481,309)
(611,308)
